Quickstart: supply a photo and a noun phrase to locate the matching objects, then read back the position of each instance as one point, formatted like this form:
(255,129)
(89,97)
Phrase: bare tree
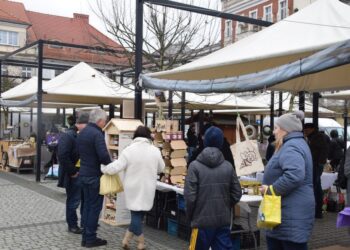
(171,37)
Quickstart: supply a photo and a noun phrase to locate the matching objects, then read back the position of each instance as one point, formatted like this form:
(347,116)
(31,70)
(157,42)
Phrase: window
(26,72)
(254,15)
(8,38)
(228,29)
(268,13)
(283,9)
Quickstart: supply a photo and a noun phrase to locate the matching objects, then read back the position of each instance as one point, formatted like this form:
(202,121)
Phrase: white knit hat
(291,122)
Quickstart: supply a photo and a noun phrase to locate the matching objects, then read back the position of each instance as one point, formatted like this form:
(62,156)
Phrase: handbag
(246,153)
(110,184)
(269,214)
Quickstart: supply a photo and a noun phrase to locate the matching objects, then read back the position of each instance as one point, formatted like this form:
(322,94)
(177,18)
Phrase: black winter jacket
(68,156)
(211,190)
(92,150)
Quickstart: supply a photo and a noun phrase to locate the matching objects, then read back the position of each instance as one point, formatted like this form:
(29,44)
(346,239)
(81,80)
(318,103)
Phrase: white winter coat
(140,161)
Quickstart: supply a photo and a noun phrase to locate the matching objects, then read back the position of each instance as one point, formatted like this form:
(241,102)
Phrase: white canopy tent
(212,102)
(314,28)
(80,84)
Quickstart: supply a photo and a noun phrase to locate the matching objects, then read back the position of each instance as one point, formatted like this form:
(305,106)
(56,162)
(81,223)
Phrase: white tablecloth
(327,180)
(163,187)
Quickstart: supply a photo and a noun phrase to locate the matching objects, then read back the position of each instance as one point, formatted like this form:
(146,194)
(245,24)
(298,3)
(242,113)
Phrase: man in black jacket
(69,174)
(93,152)
(211,190)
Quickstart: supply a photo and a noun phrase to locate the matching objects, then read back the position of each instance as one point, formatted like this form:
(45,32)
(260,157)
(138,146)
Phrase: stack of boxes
(174,150)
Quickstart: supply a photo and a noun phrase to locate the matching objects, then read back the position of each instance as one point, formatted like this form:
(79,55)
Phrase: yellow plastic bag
(269,215)
(110,184)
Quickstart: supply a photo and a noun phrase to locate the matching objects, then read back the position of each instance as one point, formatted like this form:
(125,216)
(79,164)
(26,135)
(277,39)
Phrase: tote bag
(269,214)
(110,184)
(245,153)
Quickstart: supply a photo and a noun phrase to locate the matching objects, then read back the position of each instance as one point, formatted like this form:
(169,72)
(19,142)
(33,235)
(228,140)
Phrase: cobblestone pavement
(32,217)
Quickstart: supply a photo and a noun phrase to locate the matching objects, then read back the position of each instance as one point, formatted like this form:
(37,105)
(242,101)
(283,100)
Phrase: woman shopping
(289,172)
(140,161)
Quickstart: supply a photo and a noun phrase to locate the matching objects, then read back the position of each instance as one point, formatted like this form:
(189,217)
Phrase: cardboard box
(178,153)
(177,179)
(179,162)
(181,170)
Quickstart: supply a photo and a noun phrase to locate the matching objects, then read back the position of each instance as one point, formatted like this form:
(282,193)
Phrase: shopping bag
(246,153)
(269,214)
(110,184)
(343,219)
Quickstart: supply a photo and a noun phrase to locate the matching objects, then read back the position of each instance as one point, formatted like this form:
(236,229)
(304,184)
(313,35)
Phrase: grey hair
(96,115)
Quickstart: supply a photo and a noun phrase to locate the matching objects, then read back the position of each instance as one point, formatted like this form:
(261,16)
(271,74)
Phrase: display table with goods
(4,147)
(168,213)
(118,135)
(21,156)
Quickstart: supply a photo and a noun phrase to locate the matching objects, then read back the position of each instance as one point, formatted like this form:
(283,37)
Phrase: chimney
(82,17)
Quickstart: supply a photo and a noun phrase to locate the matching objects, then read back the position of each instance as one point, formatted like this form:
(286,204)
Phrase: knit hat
(291,122)
(214,137)
(83,118)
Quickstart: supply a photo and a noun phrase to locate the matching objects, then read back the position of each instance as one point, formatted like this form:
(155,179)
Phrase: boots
(128,236)
(141,242)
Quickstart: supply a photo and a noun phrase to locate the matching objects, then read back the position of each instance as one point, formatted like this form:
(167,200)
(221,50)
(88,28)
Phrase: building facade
(20,27)
(268,10)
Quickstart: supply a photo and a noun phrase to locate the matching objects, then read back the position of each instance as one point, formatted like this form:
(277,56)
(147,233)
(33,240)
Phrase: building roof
(13,12)
(76,30)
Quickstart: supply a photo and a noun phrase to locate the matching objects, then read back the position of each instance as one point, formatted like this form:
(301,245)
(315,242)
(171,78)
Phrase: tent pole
(39,112)
(19,125)
(345,125)
(261,128)
(121,111)
(280,103)
(64,117)
(138,59)
(302,101)
(272,111)
(0,97)
(201,120)
(111,111)
(183,100)
(315,105)
(170,105)
(153,119)
(31,121)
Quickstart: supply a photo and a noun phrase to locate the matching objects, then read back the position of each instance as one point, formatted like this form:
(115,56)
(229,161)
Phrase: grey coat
(211,190)
(290,173)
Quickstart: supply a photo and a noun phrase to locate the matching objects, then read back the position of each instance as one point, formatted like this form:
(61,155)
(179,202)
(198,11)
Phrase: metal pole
(0,97)
(261,128)
(146,120)
(74,113)
(153,119)
(201,120)
(19,124)
(315,105)
(39,112)
(280,103)
(183,100)
(31,121)
(170,105)
(272,111)
(138,59)
(11,116)
(345,125)
(64,117)
(302,101)
(111,111)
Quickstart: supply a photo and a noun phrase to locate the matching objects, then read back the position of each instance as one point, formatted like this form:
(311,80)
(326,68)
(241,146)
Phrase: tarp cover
(276,57)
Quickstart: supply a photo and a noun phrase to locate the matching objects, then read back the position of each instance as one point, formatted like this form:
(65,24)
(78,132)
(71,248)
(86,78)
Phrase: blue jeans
(217,239)
(74,196)
(274,244)
(92,206)
(136,222)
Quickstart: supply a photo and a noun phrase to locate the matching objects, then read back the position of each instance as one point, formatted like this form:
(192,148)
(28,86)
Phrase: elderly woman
(289,171)
(140,161)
